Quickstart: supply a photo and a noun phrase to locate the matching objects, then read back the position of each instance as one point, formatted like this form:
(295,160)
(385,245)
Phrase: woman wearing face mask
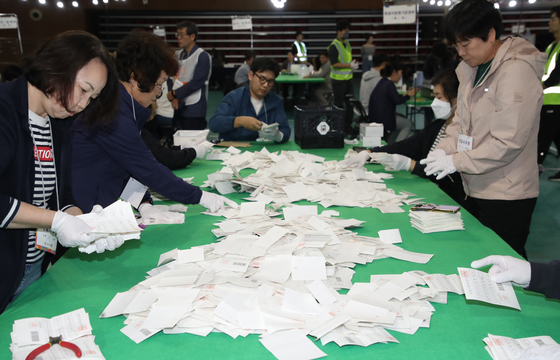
(406,154)
(113,154)
(67,75)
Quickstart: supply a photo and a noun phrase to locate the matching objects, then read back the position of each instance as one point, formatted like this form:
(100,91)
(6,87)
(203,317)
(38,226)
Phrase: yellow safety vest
(301,51)
(551,94)
(344,57)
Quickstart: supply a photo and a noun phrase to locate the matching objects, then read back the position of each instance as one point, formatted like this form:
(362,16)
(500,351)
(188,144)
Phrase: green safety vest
(301,51)
(551,94)
(344,57)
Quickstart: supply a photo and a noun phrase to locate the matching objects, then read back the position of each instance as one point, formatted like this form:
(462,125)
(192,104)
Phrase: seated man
(242,113)
(371,78)
(242,74)
(324,72)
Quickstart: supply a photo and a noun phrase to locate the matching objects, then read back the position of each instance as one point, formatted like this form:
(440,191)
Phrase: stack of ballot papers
(479,286)
(278,278)
(505,348)
(116,218)
(432,221)
(74,327)
(289,176)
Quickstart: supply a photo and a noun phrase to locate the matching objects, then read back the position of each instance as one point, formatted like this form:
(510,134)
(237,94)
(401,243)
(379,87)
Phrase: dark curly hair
(143,55)
(53,68)
(449,82)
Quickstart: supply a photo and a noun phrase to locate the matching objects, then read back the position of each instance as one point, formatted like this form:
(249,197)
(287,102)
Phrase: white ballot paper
(505,348)
(479,286)
(290,345)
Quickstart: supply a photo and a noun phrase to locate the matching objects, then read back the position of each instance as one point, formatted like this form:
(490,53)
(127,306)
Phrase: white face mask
(441,109)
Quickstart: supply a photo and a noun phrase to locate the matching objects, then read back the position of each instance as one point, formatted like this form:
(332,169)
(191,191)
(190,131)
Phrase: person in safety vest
(340,56)
(189,87)
(298,48)
(549,129)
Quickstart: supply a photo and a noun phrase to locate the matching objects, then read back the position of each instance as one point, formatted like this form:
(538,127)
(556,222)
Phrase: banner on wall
(8,23)
(399,14)
(241,23)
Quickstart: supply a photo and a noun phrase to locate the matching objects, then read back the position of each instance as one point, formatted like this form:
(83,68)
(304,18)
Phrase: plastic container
(319,127)
(189,138)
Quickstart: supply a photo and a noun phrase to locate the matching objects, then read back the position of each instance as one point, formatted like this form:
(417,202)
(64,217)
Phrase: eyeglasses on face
(263,80)
(160,92)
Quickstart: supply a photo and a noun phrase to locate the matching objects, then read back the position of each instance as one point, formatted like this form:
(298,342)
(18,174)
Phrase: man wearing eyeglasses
(244,113)
(189,94)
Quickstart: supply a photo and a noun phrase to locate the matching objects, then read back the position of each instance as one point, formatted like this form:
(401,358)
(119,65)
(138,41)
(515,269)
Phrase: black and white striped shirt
(45,174)
(440,135)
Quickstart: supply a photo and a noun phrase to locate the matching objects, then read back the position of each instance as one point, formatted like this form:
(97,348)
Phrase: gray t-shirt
(242,74)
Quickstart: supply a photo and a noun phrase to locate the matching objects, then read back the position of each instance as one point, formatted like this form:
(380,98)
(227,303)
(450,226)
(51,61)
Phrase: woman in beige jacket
(492,141)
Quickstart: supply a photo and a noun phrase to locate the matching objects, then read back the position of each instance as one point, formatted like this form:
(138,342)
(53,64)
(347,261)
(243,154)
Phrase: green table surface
(296,79)
(456,331)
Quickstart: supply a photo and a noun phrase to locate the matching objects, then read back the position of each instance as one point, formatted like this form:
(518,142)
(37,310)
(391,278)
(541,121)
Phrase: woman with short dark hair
(492,141)
(112,154)
(70,74)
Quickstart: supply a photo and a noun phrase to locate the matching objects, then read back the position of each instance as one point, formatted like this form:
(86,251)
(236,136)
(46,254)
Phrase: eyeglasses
(263,80)
(160,87)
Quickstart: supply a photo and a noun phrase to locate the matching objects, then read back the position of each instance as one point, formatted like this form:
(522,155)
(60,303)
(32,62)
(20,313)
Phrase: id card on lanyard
(465,142)
(46,240)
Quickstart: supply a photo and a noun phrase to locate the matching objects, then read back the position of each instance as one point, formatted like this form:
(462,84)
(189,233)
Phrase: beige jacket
(502,115)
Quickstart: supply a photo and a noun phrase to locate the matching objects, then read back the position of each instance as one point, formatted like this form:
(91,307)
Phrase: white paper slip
(290,345)
(398,253)
(137,333)
(479,286)
(119,303)
(190,255)
(271,236)
(298,302)
(321,292)
(440,282)
(231,262)
(390,209)
(392,236)
(308,268)
(506,348)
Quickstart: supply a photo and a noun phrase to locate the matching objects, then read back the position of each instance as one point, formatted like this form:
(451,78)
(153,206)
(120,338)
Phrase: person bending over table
(383,103)
(242,113)
(110,155)
(67,75)
(406,154)
(492,141)
(533,276)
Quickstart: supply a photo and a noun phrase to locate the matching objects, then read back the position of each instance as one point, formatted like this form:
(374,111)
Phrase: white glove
(442,166)
(543,352)
(159,214)
(356,161)
(202,149)
(271,134)
(109,243)
(506,268)
(214,202)
(392,161)
(354,64)
(71,231)
(437,153)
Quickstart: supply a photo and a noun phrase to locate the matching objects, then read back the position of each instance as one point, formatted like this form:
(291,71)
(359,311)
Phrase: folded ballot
(429,222)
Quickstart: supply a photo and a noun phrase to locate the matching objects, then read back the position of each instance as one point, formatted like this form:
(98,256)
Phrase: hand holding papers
(161,214)
(480,286)
(270,132)
(356,161)
(506,268)
(215,202)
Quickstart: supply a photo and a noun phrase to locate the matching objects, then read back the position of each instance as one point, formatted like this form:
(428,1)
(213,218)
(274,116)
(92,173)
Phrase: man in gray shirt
(371,78)
(242,74)
(323,72)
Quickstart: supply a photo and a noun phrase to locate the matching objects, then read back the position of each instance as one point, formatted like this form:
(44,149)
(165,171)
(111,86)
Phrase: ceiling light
(496,6)
(432,2)
(532,1)
(60,4)
(439,3)
(512,3)
(43,2)
(74,3)
(447,2)
(105,1)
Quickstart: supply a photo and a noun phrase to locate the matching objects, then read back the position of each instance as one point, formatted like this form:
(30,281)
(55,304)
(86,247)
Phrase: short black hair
(11,73)
(379,58)
(298,33)
(191,28)
(472,19)
(145,55)
(439,49)
(53,69)
(342,25)
(324,53)
(448,80)
(555,10)
(264,64)
(249,54)
(389,68)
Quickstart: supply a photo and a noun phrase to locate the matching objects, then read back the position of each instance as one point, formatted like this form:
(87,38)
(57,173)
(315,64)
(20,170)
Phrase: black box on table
(319,127)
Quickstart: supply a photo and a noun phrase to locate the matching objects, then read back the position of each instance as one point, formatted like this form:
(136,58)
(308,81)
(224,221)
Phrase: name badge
(46,240)
(465,142)
(134,192)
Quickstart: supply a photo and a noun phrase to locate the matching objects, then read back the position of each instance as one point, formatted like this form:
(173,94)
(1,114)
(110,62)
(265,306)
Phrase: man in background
(298,48)
(371,78)
(242,74)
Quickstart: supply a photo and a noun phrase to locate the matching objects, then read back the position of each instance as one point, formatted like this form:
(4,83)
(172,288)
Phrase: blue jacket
(17,175)
(383,103)
(238,103)
(107,156)
(200,77)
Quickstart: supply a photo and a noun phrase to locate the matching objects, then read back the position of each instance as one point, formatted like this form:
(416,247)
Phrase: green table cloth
(296,79)
(456,330)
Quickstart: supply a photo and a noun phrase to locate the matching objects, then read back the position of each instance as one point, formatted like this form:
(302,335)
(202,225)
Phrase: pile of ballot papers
(279,278)
(74,327)
(116,218)
(289,176)
(505,348)
(432,221)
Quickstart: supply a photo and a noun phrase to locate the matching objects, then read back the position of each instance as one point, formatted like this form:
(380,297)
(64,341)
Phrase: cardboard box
(370,141)
(371,129)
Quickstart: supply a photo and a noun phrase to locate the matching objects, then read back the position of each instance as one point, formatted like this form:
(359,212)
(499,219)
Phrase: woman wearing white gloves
(406,154)
(111,154)
(67,75)
(492,141)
